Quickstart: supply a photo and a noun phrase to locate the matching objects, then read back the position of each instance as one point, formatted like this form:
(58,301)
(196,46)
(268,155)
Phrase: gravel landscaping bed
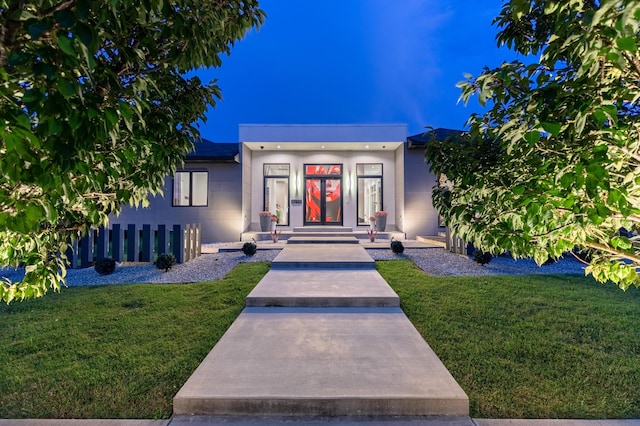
(213,266)
(437,261)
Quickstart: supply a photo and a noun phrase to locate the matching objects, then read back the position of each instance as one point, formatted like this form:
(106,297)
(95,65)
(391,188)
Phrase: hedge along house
(305,175)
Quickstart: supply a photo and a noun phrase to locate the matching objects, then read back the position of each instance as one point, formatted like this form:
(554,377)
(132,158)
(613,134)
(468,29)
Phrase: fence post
(198,240)
(178,243)
(163,239)
(102,242)
(71,253)
(132,243)
(147,244)
(447,232)
(187,242)
(86,249)
(117,243)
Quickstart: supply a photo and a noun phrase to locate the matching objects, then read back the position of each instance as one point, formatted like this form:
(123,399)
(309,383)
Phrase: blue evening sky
(355,61)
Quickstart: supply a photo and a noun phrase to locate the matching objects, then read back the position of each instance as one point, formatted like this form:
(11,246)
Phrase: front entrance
(323,194)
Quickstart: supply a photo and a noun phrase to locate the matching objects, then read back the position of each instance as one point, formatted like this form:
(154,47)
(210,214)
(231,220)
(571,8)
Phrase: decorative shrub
(481,257)
(165,261)
(105,266)
(265,213)
(249,248)
(397,247)
(381,213)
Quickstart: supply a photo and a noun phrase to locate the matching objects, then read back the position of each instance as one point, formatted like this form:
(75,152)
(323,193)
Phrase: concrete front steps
(328,341)
(288,233)
(329,256)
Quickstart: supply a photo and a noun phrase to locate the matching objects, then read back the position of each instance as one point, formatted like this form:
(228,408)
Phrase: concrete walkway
(323,336)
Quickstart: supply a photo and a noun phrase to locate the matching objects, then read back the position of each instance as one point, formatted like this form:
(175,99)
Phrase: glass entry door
(323,195)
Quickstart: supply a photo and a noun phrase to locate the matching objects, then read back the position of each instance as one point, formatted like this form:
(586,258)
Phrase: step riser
(327,407)
(322,302)
(322,229)
(321,265)
(311,240)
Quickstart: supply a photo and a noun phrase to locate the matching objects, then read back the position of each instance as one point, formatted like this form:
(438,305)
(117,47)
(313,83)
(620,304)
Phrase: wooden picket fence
(455,244)
(136,244)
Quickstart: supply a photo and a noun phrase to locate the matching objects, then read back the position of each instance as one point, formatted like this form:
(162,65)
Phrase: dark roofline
(218,152)
(421,139)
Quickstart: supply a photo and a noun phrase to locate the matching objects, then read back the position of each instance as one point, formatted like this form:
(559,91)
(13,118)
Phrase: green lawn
(520,346)
(529,346)
(113,351)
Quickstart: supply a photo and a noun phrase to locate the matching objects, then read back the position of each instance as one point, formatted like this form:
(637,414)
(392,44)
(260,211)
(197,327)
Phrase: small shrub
(397,247)
(165,261)
(481,257)
(105,266)
(249,248)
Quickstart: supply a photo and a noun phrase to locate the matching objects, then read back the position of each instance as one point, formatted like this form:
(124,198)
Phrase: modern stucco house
(307,175)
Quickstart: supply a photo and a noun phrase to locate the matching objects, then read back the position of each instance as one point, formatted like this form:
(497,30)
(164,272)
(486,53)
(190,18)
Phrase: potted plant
(381,220)
(265,221)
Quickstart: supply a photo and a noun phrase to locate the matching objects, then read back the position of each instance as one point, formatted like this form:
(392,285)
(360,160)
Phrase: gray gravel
(207,267)
(437,261)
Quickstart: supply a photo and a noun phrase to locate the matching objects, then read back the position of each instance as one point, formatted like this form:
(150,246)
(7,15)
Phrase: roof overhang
(323,146)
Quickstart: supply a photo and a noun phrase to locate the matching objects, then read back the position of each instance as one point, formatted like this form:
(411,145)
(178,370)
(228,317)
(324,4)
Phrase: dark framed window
(276,190)
(191,188)
(369,182)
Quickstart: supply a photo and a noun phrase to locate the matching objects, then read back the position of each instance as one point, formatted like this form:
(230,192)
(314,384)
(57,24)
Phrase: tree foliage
(553,163)
(96,110)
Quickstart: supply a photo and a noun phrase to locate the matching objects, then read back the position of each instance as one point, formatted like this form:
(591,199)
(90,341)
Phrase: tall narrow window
(276,191)
(191,188)
(369,191)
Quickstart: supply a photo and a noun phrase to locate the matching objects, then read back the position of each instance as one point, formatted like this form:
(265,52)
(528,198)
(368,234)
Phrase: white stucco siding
(348,160)
(221,218)
(421,218)
(300,144)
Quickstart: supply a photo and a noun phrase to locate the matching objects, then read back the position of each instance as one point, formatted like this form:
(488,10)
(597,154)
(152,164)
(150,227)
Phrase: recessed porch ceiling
(323,146)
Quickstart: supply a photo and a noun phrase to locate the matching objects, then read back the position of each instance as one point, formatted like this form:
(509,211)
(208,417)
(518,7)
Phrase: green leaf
(567,180)
(36,29)
(86,35)
(65,17)
(596,171)
(66,88)
(532,137)
(66,45)
(552,128)
(621,243)
(112,116)
(627,43)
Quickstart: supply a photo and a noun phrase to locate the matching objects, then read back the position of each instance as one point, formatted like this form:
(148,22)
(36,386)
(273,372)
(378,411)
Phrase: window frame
(191,173)
(286,176)
(358,195)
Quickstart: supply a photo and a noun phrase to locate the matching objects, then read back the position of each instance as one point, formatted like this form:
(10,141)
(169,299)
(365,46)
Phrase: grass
(520,346)
(529,346)
(113,351)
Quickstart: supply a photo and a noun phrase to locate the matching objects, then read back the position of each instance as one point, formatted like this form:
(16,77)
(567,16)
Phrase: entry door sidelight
(323,201)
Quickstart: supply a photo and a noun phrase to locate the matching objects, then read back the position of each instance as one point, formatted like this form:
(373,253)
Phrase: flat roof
(396,132)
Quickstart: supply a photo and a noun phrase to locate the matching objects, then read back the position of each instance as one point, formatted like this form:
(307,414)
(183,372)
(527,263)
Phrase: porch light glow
(278,147)
(366,146)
